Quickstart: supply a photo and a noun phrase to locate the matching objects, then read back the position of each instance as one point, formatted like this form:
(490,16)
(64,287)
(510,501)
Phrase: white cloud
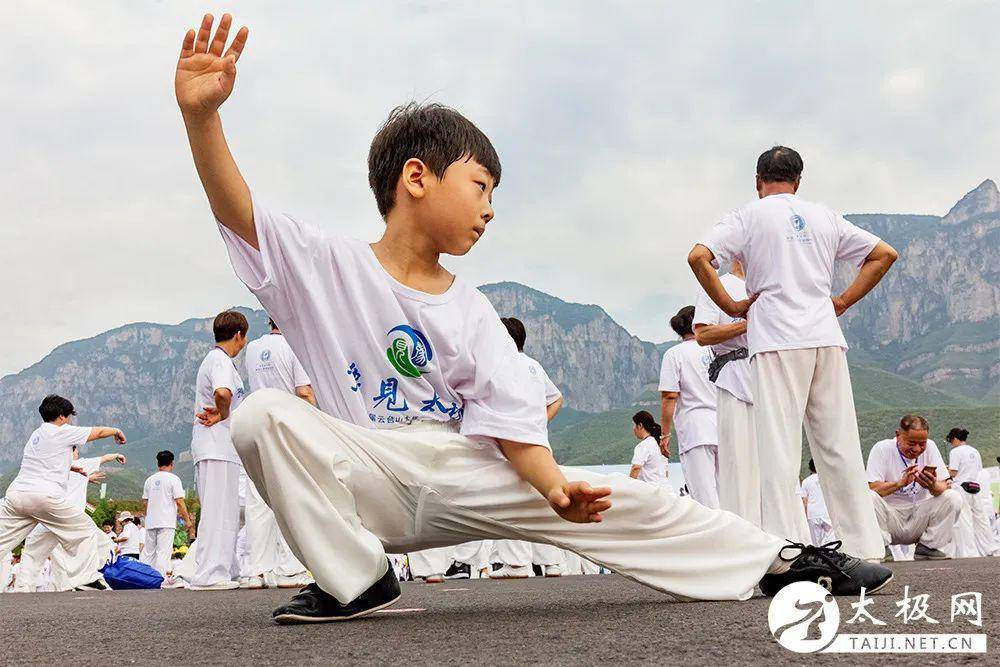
(625,131)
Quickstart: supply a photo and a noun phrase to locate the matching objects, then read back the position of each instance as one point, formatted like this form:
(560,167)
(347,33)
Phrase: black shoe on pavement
(458,571)
(924,552)
(836,572)
(95,585)
(313,605)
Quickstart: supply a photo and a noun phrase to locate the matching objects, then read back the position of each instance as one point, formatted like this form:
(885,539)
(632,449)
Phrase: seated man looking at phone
(914,501)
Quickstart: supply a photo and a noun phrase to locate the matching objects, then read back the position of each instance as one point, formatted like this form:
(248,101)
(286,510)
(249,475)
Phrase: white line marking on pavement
(454,589)
(399,611)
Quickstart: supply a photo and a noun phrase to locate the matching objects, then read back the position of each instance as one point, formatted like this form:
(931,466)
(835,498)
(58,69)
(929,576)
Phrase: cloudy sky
(625,131)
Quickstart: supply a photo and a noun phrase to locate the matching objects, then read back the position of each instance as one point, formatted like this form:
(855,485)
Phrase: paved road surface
(573,620)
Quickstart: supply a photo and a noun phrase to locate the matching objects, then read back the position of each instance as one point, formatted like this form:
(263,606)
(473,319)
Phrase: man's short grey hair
(911,422)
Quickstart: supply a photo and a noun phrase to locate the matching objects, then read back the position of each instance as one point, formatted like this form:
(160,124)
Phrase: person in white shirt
(738,461)
(787,247)
(38,495)
(517,556)
(128,535)
(687,400)
(648,462)
(272,364)
(820,526)
(41,544)
(218,393)
(433,433)
(911,491)
(162,503)
(973,533)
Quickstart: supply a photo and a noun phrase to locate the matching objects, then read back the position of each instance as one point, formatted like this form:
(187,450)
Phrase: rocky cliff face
(935,318)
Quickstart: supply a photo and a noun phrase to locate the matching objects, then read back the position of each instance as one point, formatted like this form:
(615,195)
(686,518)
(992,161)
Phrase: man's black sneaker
(924,552)
(836,572)
(313,605)
(458,571)
(95,585)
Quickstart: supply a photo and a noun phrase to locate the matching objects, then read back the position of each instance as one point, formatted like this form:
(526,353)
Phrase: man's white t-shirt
(685,370)
(653,464)
(788,248)
(381,354)
(735,375)
(47,458)
(76,488)
(815,503)
(161,491)
(537,374)
(966,461)
(886,464)
(217,371)
(272,364)
(131,545)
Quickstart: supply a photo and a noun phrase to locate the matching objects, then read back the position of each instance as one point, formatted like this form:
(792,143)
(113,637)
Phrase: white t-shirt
(131,545)
(966,462)
(886,464)
(734,376)
(537,373)
(47,457)
(685,369)
(381,354)
(217,371)
(272,364)
(815,503)
(160,492)
(653,464)
(76,489)
(788,247)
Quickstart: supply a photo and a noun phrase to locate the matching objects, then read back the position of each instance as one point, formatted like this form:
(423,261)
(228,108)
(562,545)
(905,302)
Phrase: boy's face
(457,206)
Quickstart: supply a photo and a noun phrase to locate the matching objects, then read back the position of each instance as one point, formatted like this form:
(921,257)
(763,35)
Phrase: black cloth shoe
(313,605)
(95,585)
(924,552)
(458,571)
(836,572)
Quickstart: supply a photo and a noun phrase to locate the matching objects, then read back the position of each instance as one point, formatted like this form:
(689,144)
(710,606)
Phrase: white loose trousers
(738,462)
(701,474)
(219,523)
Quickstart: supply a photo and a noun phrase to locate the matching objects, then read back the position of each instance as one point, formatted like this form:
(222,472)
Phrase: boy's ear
(414,177)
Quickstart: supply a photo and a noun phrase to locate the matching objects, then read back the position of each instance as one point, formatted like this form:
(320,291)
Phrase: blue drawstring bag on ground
(127,574)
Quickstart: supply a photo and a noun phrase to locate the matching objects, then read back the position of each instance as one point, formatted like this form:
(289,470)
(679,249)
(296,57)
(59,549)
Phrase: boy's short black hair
(434,134)
(164,458)
(515,328)
(228,323)
(779,165)
(54,406)
(108,523)
(683,322)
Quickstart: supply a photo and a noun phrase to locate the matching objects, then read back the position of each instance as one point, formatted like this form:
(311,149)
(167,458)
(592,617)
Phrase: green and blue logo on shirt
(410,353)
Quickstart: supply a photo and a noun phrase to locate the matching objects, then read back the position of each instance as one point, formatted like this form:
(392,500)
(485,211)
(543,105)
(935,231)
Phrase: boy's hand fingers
(187,48)
(221,35)
(201,45)
(600,506)
(236,48)
(595,518)
(559,498)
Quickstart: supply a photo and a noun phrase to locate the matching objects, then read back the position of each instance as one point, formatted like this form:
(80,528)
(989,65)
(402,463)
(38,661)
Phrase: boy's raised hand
(205,75)
(579,502)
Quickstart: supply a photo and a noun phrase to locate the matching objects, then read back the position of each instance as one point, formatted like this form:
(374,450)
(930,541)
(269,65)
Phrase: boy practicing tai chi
(162,502)
(435,435)
(39,495)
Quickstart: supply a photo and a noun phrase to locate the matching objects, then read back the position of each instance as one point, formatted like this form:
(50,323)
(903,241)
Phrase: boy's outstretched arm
(204,80)
(573,501)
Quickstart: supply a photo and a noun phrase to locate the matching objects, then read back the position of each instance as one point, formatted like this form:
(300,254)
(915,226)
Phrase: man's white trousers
(86,547)
(739,465)
(342,494)
(219,523)
(812,386)
(267,550)
(930,522)
(701,474)
(158,548)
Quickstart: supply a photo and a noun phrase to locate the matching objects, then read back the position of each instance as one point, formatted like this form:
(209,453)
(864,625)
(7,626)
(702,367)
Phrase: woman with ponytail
(648,462)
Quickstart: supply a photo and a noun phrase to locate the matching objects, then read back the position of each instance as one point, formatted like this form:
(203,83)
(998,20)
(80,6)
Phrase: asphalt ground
(581,620)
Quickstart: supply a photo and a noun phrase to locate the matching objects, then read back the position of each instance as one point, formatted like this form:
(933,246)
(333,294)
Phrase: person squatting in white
(439,435)
(738,463)
(788,247)
(271,364)
(38,495)
(218,392)
(162,503)
(687,401)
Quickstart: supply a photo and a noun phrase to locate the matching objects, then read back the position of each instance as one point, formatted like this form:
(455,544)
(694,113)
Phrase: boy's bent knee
(255,416)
